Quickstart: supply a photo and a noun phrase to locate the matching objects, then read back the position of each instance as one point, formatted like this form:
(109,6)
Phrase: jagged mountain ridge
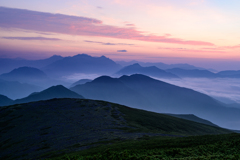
(82,63)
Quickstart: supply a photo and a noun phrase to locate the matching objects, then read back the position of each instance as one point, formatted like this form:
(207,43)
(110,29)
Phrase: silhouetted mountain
(229,74)
(6,64)
(196,73)
(39,130)
(159,65)
(14,89)
(169,66)
(149,71)
(159,96)
(4,100)
(25,74)
(234,105)
(82,63)
(112,90)
(58,91)
(81,81)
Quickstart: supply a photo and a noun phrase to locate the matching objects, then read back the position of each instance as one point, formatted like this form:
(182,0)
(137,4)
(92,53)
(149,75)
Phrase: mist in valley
(226,90)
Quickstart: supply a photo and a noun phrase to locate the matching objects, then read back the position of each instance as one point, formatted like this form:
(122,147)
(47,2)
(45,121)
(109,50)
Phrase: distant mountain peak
(82,63)
(105,79)
(103,56)
(57,91)
(55,57)
(136,64)
(153,71)
(82,55)
(25,71)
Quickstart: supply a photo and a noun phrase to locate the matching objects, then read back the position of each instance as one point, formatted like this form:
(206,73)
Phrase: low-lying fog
(226,90)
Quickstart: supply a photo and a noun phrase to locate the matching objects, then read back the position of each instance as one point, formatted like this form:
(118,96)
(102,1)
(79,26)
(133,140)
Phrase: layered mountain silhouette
(58,91)
(15,90)
(149,71)
(7,65)
(112,90)
(39,130)
(195,73)
(81,81)
(4,100)
(82,63)
(160,65)
(229,74)
(25,74)
(143,92)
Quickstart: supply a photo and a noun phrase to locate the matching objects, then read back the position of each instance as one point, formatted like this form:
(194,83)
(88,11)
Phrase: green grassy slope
(188,148)
(156,122)
(58,126)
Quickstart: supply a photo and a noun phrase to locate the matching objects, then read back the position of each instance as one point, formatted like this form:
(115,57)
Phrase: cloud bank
(82,26)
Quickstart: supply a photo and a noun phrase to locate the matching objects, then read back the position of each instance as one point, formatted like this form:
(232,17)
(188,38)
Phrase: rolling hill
(48,128)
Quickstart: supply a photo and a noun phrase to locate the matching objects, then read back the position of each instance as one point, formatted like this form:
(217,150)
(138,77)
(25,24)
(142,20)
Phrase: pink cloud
(104,43)
(224,48)
(33,38)
(230,47)
(73,25)
(192,50)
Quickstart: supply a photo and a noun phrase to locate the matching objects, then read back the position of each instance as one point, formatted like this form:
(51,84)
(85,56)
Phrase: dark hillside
(59,126)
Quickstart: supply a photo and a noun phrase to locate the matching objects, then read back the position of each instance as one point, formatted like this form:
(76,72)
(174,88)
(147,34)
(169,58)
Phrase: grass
(145,121)
(195,147)
(61,126)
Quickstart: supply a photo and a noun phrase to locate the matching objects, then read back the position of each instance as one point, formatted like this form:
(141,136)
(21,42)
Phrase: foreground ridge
(58,126)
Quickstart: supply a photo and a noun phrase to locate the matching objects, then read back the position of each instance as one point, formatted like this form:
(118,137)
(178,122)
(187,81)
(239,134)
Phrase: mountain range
(15,89)
(7,65)
(160,65)
(149,71)
(143,92)
(82,63)
(25,74)
(195,73)
(58,91)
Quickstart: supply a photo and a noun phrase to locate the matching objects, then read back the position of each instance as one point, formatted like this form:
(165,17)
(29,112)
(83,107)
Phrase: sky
(200,32)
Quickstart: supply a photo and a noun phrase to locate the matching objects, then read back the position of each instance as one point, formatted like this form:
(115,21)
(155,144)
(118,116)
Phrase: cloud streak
(102,43)
(32,38)
(82,26)
(121,50)
(203,50)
